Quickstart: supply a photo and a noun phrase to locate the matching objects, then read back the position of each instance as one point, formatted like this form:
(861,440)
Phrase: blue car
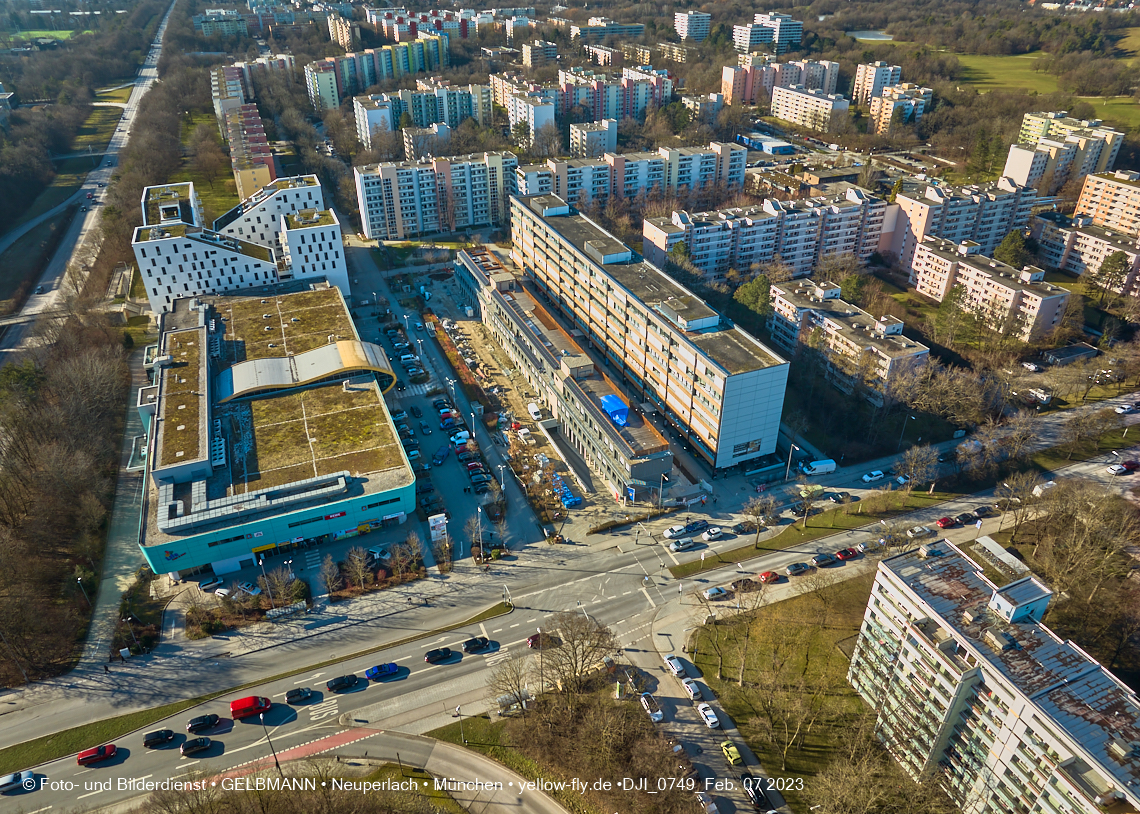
(381,671)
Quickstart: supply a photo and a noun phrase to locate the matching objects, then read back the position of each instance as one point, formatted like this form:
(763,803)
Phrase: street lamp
(459,714)
(261,562)
(903,433)
(276,762)
(788,471)
(85,596)
(406,328)
(131,628)
(502,476)
(661,490)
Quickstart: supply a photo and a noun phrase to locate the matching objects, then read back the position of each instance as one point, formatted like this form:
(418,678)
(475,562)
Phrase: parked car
(542,641)
(713,594)
(714,533)
(249,588)
(158,738)
(731,753)
(754,788)
(96,755)
(1032,367)
(745,586)
(705,801)
(918,532)
(424,486)
(767,577)
(746,527)
(298,695)
(967,518)
(708,716)
(342,683)
(673,532)
(873,476)
(986,511)
(437,655)
(839,497)
(209,585)
(797,568)
(202,723)
(684,544)
(652,708)
(381,671)
(1124,467)
(674,665)
(476,644)
(845,554)
(399,416)
(194,745)
(692,689)
(820,560)
(946,522)
(1124,409)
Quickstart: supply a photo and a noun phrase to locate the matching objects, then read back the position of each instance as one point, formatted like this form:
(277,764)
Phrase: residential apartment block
(539,53)
(672,52)
(800,233)
(593,139)
(285,63)
(718,386)
(433,102)
(344,33)
(423,142)
(258,217)
(858,348)
(704,109)
(637,53)
(968,685)
(599,28)
(228,90)
(251,156)
(902,104)
(871,78)
(532,110)
(984,214)
(403,199)
(1112,200)
(758,74)
(1015,300)
(1101,143)
(692,25)
(332,80)
(778,30)
(1077,245)
(579,180)
(812,109)
(619,444)
(605,56)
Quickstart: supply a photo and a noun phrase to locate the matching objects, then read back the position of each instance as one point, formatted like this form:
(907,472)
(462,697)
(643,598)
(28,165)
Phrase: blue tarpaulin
(616,409)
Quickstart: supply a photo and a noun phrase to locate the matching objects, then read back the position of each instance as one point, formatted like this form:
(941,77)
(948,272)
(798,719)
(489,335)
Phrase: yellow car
(731,753)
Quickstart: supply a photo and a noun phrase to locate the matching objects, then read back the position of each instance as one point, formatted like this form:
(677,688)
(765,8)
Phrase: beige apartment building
(1010,299)
(1112,200)
(718,386)
(858,347)
(871,78)
(1103,141)
(812,109)
(1077,245)
(903,104)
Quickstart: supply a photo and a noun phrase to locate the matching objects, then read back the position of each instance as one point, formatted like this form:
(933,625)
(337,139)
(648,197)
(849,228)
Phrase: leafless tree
(584,642)
(919,464)
(356,566)
(511,677)
(759,510)
(330,575)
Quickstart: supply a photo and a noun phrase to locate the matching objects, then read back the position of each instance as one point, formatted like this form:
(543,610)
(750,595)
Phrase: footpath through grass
(69,176)
(69,741)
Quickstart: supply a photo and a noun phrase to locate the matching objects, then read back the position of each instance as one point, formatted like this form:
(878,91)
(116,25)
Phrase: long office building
(858,348)
(1100,143)
(778,30)
(812,109)
(720,388)
(801,233)
(1112,200)
(1017,301)
(619,444)
(238,379)
(871,78)
(983,213)
(334,80)
(598,29)
(966,684)
(402,199)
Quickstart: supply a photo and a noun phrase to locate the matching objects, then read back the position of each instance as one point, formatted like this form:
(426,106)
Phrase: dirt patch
(441,275)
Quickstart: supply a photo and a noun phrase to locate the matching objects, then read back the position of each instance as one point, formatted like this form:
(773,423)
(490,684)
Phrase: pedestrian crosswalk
(312,559)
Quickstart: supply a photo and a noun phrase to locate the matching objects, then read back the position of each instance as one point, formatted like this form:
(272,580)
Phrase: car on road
(797,568)
(873,476)
(845,554)
(39,289)
(157,738)
(202,723)
(745,586)
(870,545)
(731,753)
(986,511)
(754,788)
(946,522)
(692,689)
(696,525)
(705,801)
(675,665)
(298,695)
(767,577)
(249,588)
(425,428)
(1115,469)
(918,532)
(820,560)
(194,745)
(652,708)
(1124,409)
(381,671)
(96,755)
(902,480)
(708,716)
(417,412)
(16,780)
(476,644)
(966,518)
(745,527)
(673,532)
(399,416)
(839,497)
(437,655)
(341,683)
(714,594)
(400,386)
(684,544)
(712,534)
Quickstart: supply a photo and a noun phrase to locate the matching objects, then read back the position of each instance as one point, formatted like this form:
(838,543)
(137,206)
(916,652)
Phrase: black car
(482,489)
(799,510)
(754,788)
(400,385)
(195,745)
(417,412)
(839,497)
(966,518)
(437,655)
(476,644)
(696,525)
(747,527)
(410,443)
(202,723)
(424,486)
(342,683)
(464,457)
(158,738)
(298,695)
(428,501)
(441,404)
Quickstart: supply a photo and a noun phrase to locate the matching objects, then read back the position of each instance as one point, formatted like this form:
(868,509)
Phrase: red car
(768,576)
(945,523)
(1131,466)
(846,554)
(99,753)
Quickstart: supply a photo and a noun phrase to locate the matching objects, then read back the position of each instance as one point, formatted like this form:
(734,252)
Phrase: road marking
(323,710)
(38,810)
(497,630)
(647,596)
(627,593)
(90,794)
(516,624)
(145,776)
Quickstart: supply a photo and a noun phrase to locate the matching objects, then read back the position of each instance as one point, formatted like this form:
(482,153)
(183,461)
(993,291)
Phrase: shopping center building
(266,429)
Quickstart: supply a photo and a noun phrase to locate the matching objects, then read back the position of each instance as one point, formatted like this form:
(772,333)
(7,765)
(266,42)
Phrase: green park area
(36,34)
(219,194)
(69,176)
(97,130)
(114,94)
(1015,71)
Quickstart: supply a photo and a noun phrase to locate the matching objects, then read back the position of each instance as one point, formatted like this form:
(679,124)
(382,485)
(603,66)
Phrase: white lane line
(497,630)
(38,810)
(516,624)
(90,794)
(627,593)
(145,776)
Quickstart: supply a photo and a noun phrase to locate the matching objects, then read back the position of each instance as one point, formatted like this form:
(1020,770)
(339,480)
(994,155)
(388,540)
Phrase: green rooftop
(308,218)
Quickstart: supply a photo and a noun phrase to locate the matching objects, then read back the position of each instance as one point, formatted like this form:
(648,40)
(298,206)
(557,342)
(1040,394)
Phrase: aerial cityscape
(570,410)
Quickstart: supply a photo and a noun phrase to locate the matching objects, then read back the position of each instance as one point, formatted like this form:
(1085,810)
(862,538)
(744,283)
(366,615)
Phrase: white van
(535,412)
(408,357)
(824,467)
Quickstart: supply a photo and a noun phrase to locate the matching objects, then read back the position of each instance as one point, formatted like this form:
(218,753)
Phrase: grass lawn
(1013,71)
(829,522)
(218,197)
(69,176)
(139,329)
(97,130)
(138,286)
(821,662)
(1122,110)
(38,34)
(117,95)
(439,800)
(26,259)
(69,741)
(1129,46)
(1050,459)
